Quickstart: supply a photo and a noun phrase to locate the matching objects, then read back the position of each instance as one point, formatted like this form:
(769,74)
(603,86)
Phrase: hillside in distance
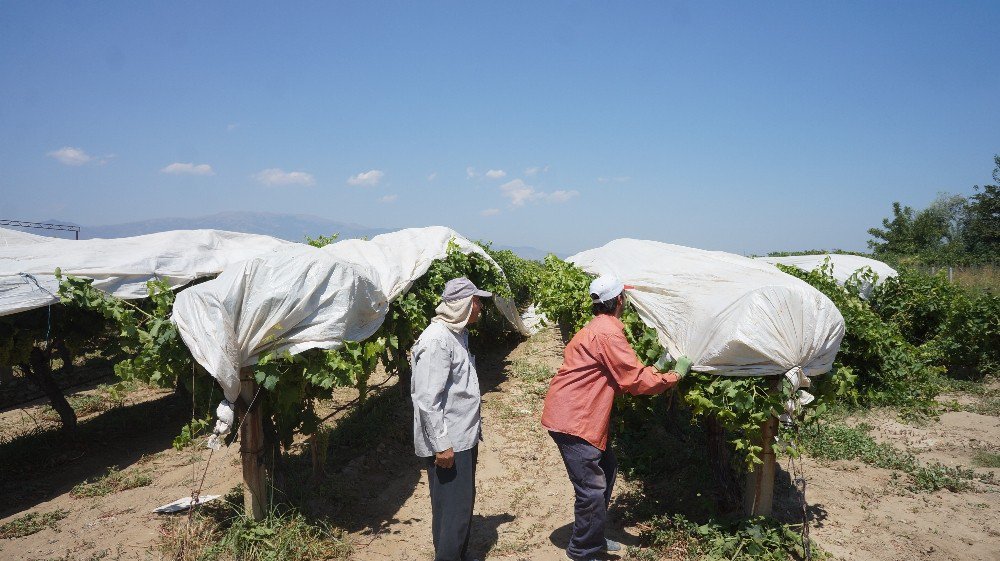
(291,227)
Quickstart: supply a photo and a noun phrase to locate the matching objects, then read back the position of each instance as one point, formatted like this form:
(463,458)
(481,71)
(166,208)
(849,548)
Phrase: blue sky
(739,126)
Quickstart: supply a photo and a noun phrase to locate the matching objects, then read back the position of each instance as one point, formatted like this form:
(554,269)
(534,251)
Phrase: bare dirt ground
(376,490)
(864,512)
(135,438)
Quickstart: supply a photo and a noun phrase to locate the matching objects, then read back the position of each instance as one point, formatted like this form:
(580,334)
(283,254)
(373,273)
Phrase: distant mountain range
(291,227)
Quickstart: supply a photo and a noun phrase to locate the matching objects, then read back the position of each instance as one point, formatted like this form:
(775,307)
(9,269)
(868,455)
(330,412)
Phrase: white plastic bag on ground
(730,315)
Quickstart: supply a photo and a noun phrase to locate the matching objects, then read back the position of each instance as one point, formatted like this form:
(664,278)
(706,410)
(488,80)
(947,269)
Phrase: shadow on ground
(485,533)
(48,463)
(560,536)
(20,392)
(789,502)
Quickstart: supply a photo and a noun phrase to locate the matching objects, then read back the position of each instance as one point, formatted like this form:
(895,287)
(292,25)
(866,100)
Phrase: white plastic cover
(302,298)
(396,259)
(16,237)
(119,266)
(534,320)
(730,315)
(844,266)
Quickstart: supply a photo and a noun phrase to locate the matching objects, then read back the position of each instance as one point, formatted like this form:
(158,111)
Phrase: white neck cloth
(454,314)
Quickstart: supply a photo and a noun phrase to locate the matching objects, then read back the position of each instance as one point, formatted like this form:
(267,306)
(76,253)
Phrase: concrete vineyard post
(252,448)
(758,498)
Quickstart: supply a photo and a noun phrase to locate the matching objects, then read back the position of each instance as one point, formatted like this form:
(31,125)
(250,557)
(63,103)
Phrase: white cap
(606,287)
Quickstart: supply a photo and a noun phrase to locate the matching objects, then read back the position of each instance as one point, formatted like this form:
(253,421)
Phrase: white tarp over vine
(730,315)
(10,238)
(304,298)
(118,266)
(397,259)
(842,267)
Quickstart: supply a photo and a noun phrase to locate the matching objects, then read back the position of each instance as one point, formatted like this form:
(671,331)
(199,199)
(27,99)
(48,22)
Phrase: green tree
(953,229)
(982,231)
(935,234)
(911,232)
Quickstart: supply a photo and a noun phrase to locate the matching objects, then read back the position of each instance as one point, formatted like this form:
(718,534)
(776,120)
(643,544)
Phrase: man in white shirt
(446,418)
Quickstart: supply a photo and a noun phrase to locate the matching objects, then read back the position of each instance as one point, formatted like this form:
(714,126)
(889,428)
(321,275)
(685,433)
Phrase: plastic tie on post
(798,378)
(793,406)
(223,425)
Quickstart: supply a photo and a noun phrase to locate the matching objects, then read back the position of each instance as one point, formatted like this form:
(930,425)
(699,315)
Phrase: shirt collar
(610,320)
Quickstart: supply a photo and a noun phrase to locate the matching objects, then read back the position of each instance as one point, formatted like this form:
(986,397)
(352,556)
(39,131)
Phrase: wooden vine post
(255,476)
(758,498)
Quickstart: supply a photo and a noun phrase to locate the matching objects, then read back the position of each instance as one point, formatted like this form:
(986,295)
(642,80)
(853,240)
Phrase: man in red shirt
(598,364)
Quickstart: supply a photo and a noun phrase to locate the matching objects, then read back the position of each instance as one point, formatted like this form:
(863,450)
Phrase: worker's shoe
(612,545)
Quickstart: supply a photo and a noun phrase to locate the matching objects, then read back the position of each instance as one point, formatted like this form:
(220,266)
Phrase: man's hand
(662,362)
(682,366)
(445,459)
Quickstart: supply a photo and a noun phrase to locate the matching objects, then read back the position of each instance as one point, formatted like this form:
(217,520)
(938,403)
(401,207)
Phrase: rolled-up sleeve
(431,370)
(631,375)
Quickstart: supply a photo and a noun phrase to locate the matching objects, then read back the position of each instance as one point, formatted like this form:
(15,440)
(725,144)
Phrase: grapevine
(739,404)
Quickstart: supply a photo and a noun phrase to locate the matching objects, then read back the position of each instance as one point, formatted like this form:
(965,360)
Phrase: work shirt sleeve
(631,375)
(431,371)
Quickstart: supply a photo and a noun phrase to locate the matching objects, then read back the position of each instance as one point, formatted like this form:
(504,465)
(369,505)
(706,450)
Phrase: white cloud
(279,177)
(561,196)
(496,173)
(535,170)
(470,172)
(388,199)
(490,212)
(432,176)
(519,192)
(179,168)
(232,126)
(619,179)
(70,156)
(368,178)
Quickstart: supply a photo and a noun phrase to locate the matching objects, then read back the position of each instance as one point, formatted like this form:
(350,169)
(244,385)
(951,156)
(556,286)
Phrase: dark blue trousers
(453,496)
(592,473)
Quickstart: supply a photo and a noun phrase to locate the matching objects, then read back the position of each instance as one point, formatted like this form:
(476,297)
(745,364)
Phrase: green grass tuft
(986,459)
(111,482)
(841,442)
(31,523)
(754,539)
(536,375)
(223,534)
